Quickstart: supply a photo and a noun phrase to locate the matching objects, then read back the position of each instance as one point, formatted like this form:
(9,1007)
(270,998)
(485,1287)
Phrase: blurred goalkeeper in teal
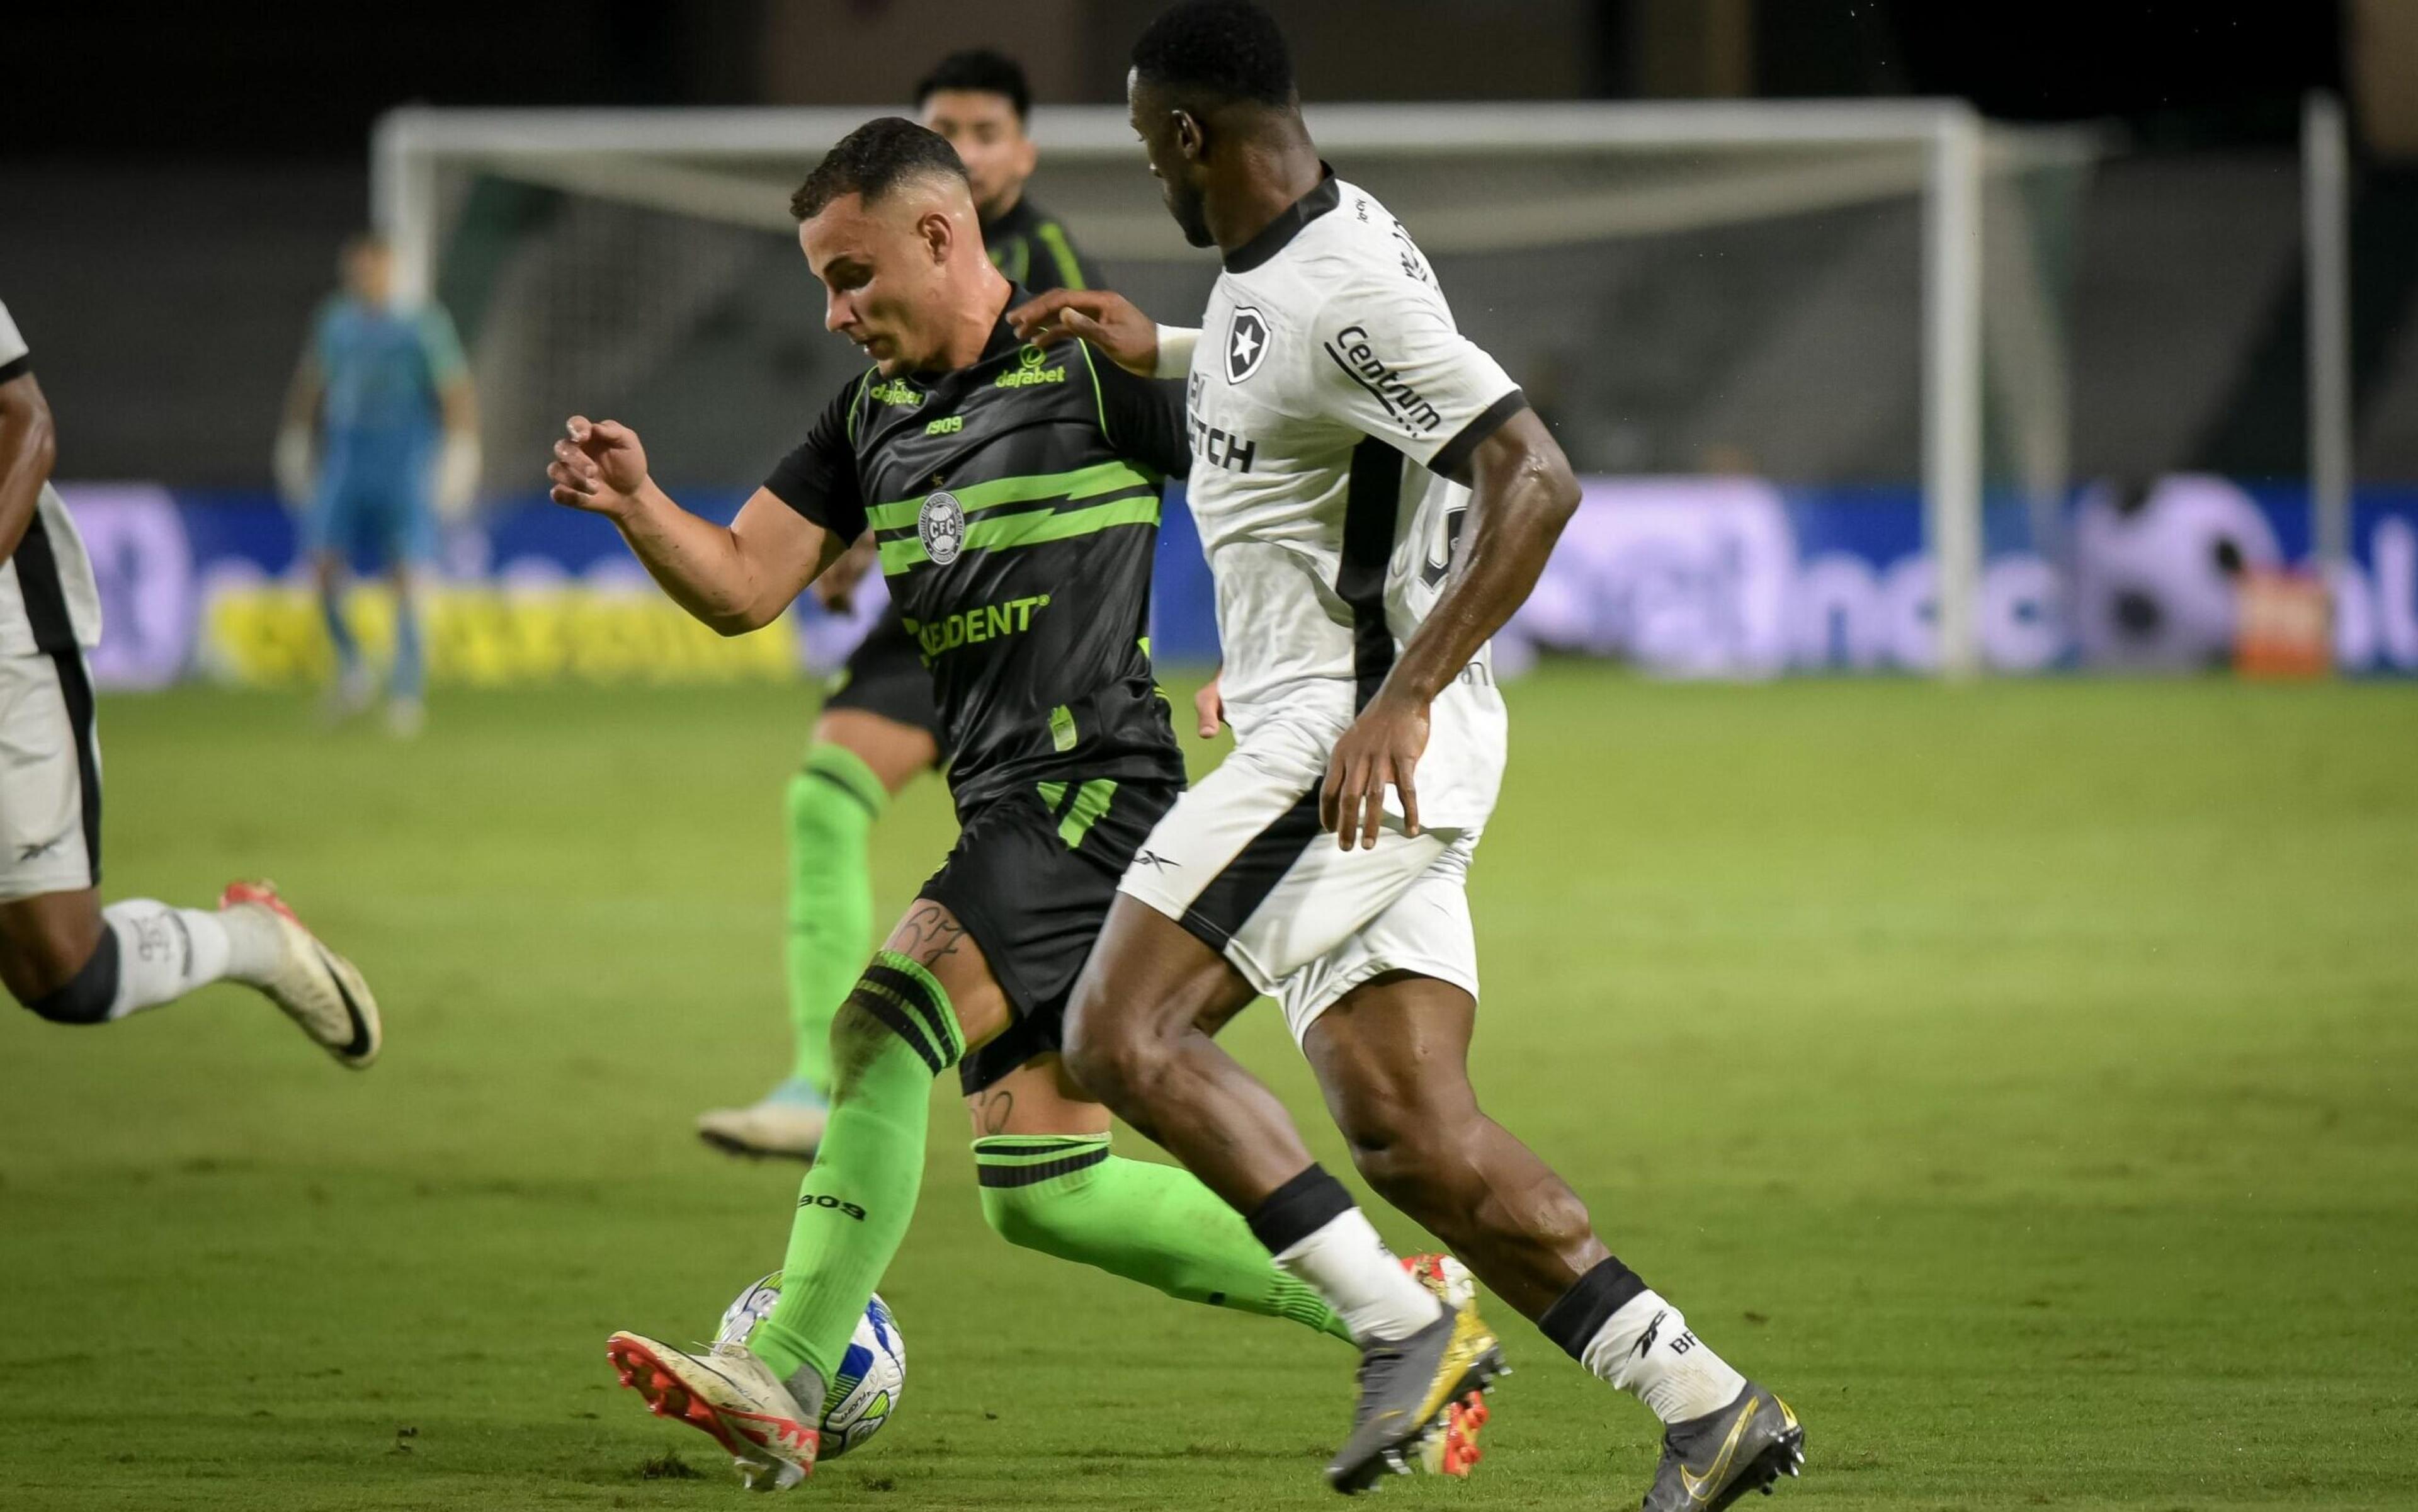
(380,437)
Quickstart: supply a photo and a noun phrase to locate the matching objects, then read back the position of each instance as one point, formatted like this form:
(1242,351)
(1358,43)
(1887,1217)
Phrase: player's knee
(1112,1058)
(1399,1146)
(85,995)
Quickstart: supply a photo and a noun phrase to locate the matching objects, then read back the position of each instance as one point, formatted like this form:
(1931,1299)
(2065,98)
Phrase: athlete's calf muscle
(45,939)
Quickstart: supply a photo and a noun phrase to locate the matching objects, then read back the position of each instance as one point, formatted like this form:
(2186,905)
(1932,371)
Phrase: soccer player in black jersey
(879,727)
(1013,496)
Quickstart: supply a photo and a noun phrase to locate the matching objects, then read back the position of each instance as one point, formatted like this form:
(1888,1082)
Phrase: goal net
(1810,295)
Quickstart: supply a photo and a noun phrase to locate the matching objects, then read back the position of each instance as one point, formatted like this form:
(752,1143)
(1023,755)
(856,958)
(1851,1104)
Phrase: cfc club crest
(1247,342)
(942,524)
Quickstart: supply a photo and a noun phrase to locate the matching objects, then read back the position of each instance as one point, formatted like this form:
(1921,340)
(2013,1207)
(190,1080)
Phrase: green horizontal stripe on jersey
(1084,483)
(1005,532)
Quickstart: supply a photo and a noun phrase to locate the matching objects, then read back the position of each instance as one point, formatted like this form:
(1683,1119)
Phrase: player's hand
(1108,321)
(1376,753)
(295,465)
(1210,705)
(599,468)
(836,589)
(457,476)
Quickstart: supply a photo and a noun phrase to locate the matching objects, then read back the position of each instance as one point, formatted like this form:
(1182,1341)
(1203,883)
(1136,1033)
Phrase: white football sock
(1646,1348)
(164,952)
(1351,1267)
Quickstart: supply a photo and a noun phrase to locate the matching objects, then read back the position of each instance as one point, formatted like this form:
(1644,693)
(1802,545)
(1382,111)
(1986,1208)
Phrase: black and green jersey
(1015,504)
(1031,247)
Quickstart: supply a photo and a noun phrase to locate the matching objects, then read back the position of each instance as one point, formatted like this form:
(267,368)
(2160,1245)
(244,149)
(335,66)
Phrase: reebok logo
(1646,1340)
(1154,859)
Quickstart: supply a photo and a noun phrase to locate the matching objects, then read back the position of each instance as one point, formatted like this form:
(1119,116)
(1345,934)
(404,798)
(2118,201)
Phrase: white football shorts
(50,777)
(1240,862)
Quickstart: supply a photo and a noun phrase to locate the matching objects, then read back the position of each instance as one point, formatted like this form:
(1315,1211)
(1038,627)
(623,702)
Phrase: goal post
(1522,204)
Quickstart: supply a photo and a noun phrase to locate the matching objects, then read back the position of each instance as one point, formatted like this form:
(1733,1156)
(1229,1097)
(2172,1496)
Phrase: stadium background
(2017,1073)
(171,254)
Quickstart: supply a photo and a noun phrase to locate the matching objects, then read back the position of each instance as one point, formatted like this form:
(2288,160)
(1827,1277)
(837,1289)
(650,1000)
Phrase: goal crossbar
(693,162)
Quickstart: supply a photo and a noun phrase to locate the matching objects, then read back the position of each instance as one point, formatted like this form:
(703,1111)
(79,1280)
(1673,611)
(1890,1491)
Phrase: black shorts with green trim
(1031,878)
(885,674)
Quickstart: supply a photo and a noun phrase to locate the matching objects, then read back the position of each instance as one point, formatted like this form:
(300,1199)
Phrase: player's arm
(1112,326)
(736,577)
(457,409)
(1523,495)
(1394,369)
(291,463)
(28,446)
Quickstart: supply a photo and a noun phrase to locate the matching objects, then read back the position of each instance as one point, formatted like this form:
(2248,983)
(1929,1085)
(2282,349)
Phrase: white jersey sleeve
(12,345)
(1396,368)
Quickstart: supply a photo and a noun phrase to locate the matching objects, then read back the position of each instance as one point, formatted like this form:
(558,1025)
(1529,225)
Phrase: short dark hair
(984,70)
(1230,48)
(872,160)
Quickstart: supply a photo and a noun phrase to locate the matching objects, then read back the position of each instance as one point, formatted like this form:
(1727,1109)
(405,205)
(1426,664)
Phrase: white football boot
(319,990)
(731,1393)
(788,1122)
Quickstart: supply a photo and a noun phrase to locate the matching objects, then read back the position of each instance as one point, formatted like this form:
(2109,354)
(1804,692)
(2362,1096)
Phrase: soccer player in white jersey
(62,955)
(1375,498)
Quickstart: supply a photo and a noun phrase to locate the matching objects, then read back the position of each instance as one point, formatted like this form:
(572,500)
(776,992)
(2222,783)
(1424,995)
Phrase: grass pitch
(2023,1079)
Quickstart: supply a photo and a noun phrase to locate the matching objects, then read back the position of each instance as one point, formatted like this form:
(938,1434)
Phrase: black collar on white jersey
(1288,223)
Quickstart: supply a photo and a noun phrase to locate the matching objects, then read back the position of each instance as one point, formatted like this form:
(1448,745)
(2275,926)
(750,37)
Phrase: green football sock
(832,802)
(892,1036)
(1068,1196)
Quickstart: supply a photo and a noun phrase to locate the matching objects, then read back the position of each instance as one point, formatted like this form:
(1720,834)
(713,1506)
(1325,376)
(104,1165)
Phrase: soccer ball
(872,1375)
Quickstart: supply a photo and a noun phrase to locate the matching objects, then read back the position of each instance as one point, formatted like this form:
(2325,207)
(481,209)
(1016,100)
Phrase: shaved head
(887,222)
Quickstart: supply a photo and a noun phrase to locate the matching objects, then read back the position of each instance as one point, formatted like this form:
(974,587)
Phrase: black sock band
(910,1002)
(1298,1209)
(89,993)
(1578,1315)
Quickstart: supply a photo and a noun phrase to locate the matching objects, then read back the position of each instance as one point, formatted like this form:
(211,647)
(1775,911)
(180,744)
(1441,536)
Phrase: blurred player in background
(979,100)
(879,725)
(62,955)
(1375,498)
(381,436)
